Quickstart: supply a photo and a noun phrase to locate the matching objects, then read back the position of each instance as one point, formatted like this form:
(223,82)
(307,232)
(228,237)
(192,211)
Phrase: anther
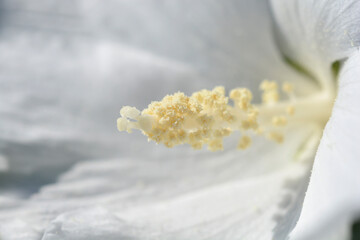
(290,110)
(245,142)
(279,121)
(205,117)
(287,87)
(270,92)
(276,136)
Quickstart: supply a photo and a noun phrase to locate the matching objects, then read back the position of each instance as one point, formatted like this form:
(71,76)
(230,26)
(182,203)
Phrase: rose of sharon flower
(67,67)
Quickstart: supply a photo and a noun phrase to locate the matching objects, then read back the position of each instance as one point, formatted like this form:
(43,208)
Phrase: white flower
(66,68)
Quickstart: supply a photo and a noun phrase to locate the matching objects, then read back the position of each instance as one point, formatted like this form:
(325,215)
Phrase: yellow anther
(195,137)
(252,116)
(245,124)
(276,136)
(279,121)
(213,102)
(287,87)
(242,97)
(248,124)
(224,132)
(215,145)
(259,131)
(245,142)
(205,121)
(206,117)
(267,85)
(290,110)
(270,92)
(197,146)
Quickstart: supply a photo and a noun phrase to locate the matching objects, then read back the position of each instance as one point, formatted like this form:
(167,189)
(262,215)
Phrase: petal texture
(63,104)
(240,195)
(228,42)
(316,33)
(333,197)
(82,60)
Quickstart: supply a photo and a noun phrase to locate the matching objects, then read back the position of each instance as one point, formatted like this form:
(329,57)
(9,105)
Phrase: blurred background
(67,67)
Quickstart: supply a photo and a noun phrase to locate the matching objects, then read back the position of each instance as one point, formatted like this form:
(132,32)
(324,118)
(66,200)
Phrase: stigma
(206,117)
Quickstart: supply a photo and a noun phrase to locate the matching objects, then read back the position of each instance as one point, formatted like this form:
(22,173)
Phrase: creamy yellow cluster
(206,117)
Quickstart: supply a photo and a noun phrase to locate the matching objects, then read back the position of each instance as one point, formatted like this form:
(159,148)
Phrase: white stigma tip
(129,112)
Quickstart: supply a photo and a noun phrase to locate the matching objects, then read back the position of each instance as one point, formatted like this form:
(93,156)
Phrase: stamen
(245,142)
(290,110)
(270,92)
(287,88)
(276,136)
(279,121)
(206,117)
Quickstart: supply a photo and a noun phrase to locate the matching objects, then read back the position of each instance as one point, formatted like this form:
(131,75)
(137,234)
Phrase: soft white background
(67,67)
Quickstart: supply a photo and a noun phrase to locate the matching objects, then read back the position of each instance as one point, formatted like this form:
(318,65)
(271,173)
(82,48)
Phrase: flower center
(206,117)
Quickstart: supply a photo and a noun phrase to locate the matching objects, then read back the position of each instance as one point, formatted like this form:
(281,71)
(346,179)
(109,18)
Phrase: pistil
(206,117)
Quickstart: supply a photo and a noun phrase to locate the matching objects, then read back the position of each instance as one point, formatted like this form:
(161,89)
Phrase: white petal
(315,33)
(66,71)
(63,105)
(226,42)
(229,42)
(333,197)
(231,195)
